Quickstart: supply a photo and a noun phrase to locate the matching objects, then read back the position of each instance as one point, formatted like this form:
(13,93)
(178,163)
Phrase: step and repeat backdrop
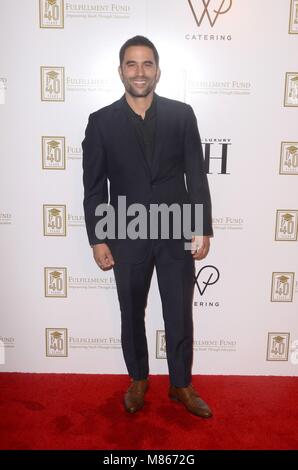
(236,63)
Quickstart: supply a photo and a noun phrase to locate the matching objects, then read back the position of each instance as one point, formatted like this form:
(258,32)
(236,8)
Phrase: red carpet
(72,411)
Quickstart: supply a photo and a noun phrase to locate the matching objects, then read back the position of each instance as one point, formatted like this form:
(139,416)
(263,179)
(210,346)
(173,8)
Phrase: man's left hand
(200,246)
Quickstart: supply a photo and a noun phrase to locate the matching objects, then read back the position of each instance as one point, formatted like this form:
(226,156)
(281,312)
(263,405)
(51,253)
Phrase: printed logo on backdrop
(161,350)
(288,158)
(6,343)
(278,346)
(3,88)
(215,345)
(74,152)
(282,287)
(286,227)
(76,220)
(228,223)
(52,83)
(208,13)
(202,345)
(91,84)
(51,13)
(218,87)
(96,343)
(209,10)
(206,276)
(58,282)
(291,89)
(54,220)
(216,155)
(104,281)
(56,342)
(293,23)
(55,280)
(5,218)
(53,153)
(97,10)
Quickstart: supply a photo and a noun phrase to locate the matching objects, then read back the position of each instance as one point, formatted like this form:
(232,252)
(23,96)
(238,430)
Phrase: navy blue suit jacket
(111,151)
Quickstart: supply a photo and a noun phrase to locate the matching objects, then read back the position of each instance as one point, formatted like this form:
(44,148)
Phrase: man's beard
(139,93)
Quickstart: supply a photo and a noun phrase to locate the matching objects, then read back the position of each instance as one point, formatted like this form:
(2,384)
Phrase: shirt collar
(149,113)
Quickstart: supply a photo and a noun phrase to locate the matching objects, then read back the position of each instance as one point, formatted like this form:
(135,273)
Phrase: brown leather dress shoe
(189,397)
(134,397)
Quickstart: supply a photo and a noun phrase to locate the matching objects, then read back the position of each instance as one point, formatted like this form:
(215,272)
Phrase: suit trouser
(176,286)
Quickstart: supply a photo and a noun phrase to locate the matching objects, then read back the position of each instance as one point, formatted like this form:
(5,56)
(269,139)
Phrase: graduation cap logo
(283,279)
(278,339)
(53,144)
(54,212)
(52,2)
(56,335)
(295,79)
(55,274)
(52,74)
(292,149)
(287,217)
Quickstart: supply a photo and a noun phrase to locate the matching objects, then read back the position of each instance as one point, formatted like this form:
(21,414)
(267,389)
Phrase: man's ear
(120,72)
(158,74)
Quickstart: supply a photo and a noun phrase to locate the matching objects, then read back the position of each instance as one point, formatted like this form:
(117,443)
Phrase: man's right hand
(103,256)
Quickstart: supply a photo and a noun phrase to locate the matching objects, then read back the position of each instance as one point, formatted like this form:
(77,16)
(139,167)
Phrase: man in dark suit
(145,146)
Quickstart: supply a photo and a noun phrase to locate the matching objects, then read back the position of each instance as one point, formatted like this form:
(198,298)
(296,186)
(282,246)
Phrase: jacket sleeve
(94,177)
(196,177)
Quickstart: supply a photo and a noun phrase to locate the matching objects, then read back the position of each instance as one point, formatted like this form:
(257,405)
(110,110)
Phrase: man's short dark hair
(138,41)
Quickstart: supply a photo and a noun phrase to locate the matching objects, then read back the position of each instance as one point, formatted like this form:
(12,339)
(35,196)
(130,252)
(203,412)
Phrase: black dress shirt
(145,128)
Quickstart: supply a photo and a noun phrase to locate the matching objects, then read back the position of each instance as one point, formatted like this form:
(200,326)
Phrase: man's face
(138,71)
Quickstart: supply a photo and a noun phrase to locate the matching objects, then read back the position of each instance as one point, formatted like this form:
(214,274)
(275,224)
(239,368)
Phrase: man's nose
(140,70)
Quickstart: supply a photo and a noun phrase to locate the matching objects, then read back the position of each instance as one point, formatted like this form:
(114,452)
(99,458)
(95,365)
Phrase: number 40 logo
(51,13)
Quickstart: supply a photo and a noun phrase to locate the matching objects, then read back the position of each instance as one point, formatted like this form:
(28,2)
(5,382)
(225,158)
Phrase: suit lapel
(160,135)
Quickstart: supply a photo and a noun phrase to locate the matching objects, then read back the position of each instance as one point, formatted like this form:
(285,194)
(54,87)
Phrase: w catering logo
(210,8)
(206,276)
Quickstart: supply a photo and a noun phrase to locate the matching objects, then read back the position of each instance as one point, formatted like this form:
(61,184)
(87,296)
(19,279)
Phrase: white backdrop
(59,312)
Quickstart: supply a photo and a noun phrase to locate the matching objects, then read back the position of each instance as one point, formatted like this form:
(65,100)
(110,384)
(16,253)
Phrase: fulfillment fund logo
(51,13)
(54,220)
(293,24)
(278,346)
(53,153)
(52,83)
(161,350)
(209,9)
(286,225)
(291,89)
(56,342)
(282,287)
(55,280)
(288,158)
